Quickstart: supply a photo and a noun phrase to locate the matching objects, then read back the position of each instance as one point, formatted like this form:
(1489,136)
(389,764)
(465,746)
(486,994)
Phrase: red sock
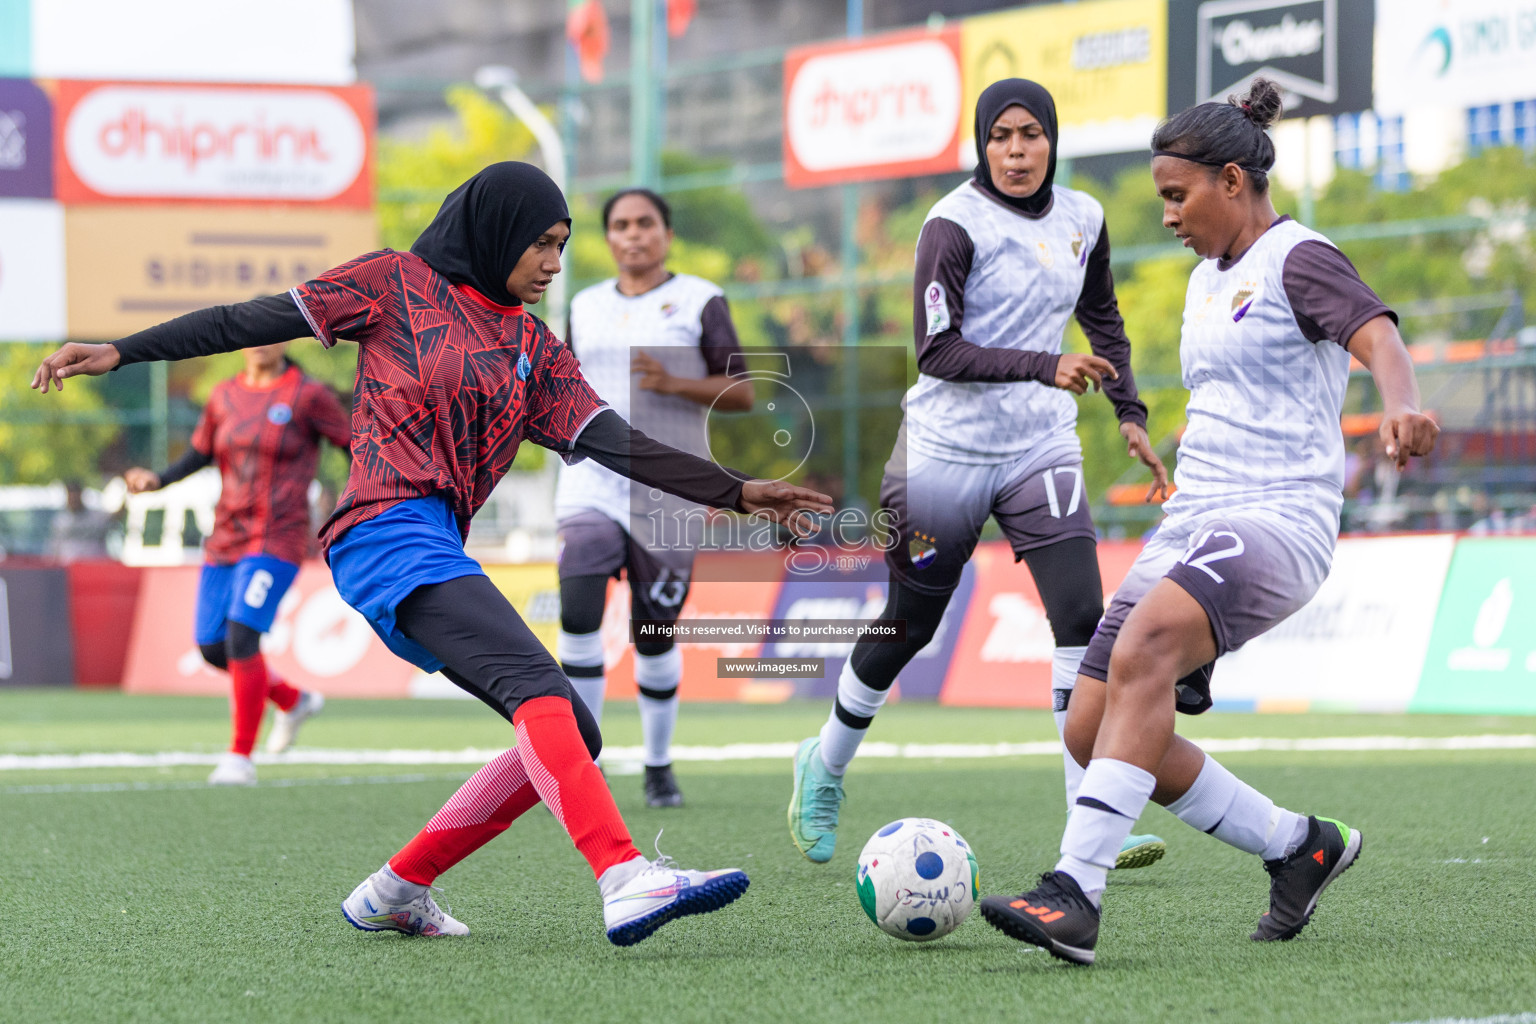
(479,812)
(280,693)
(570,784)
(248,699)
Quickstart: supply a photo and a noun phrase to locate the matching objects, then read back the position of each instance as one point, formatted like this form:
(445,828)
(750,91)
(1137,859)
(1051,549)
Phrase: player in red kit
(263,427)
(453,374)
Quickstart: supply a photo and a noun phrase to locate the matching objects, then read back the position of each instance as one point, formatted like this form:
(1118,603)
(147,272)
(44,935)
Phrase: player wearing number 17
(991,428)
(1272,316)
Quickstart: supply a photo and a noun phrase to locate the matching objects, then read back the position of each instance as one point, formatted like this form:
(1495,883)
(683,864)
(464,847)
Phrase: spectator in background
(78,533)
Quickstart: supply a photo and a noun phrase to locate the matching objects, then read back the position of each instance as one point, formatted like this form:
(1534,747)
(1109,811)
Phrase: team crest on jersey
(1043,254)
(279,414)
(937,305)
(1079,250)
(922,550)
(524,367)
(1242,300)
(668,308)
(1204,311)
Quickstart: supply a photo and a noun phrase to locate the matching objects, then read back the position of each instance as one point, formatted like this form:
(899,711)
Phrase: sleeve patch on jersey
(937,304)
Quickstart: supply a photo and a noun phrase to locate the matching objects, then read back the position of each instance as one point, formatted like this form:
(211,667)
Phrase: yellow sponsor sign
(129,267)
(1104,61)
(534,590)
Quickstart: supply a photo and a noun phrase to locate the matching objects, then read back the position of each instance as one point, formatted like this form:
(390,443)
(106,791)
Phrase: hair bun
(1263,104)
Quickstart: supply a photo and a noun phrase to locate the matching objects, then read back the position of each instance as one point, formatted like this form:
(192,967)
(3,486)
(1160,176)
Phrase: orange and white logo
(150,142)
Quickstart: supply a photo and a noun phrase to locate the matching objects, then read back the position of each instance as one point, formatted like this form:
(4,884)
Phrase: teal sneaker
(814,803)
(1140,852)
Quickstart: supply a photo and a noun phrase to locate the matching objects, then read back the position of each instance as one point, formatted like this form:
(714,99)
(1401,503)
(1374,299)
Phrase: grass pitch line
(157,787)
(753,751)
(1503,1018)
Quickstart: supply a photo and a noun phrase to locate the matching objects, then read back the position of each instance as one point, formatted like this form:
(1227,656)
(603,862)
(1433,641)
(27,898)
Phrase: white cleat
(233,770)
(285,724)
(662,892)
(365,911)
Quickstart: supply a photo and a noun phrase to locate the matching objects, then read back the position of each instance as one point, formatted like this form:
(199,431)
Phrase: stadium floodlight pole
(502,80)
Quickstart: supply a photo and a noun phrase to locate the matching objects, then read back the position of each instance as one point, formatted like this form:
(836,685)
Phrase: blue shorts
(378,563)
(247,592)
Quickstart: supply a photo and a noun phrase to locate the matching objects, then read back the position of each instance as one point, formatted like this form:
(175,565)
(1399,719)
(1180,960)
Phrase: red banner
(1004,656)
(317,642)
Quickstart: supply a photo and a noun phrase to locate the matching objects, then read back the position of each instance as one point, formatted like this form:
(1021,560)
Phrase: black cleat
(1298,880)
(661,788)
(1054,915)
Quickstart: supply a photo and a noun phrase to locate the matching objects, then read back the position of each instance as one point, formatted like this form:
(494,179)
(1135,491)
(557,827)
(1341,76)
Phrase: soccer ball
(917,879)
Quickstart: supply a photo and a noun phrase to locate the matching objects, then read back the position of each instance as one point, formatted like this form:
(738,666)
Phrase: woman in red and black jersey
(263,427)
(452,375)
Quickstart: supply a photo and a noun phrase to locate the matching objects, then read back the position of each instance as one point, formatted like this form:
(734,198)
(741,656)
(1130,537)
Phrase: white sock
(839,742)
(393,889)
(620,875)
(1111,798)
(1064,663)
(578,651)
(1222,805)
(659,673)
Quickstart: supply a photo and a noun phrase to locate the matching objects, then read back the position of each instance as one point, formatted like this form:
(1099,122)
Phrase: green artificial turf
(181,903)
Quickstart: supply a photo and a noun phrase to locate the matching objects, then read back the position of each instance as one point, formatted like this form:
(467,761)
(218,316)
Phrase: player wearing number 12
(655,346)
(1272,316)
(263,427)
(991,427)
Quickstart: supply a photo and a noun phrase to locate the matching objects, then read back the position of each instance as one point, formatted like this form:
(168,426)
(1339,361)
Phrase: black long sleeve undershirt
(205,332)
(190,462)
(1098,314)
(613,444)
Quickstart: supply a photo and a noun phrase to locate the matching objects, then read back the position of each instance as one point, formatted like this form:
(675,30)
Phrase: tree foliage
(52,437)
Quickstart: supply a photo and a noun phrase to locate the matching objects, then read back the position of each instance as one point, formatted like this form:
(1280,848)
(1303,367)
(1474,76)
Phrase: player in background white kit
(663,340)
(1272,315)
(990,428)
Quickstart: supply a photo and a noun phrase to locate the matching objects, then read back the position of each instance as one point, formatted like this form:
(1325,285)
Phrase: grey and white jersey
(988,397)
(1264,359)
(685,324)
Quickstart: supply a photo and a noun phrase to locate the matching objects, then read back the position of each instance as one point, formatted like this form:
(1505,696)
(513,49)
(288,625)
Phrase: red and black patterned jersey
(266,441)
(448,385)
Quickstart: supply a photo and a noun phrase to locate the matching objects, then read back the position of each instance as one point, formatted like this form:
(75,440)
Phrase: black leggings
(240,642)
(581,611)
(1066,574)
(487,650)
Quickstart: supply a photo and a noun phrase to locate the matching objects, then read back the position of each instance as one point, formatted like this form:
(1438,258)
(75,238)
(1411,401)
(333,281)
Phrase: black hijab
(995,99)
(486,224)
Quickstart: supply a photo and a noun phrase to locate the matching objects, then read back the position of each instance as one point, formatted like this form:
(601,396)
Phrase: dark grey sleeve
(264,321)
(717,336)
(190,462)
(1098,314)
(1330,301)
(944,255)
(613,444)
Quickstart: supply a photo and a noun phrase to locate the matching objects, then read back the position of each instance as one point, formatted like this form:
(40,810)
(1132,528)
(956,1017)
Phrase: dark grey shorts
(1250,570)
(591,544)
(940,508)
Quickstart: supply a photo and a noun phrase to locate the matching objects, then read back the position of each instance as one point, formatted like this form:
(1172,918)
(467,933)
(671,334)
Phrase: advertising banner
(1003,658)
(1465,54)
(26,140)
(145,142)
(1359,644)
(831,595)
(712,596)
(316,643)
(885,107)
(134,266)
(36,643)
(32,270)
(1482,654)
(191,40)
(1104,61)
(1318,52)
